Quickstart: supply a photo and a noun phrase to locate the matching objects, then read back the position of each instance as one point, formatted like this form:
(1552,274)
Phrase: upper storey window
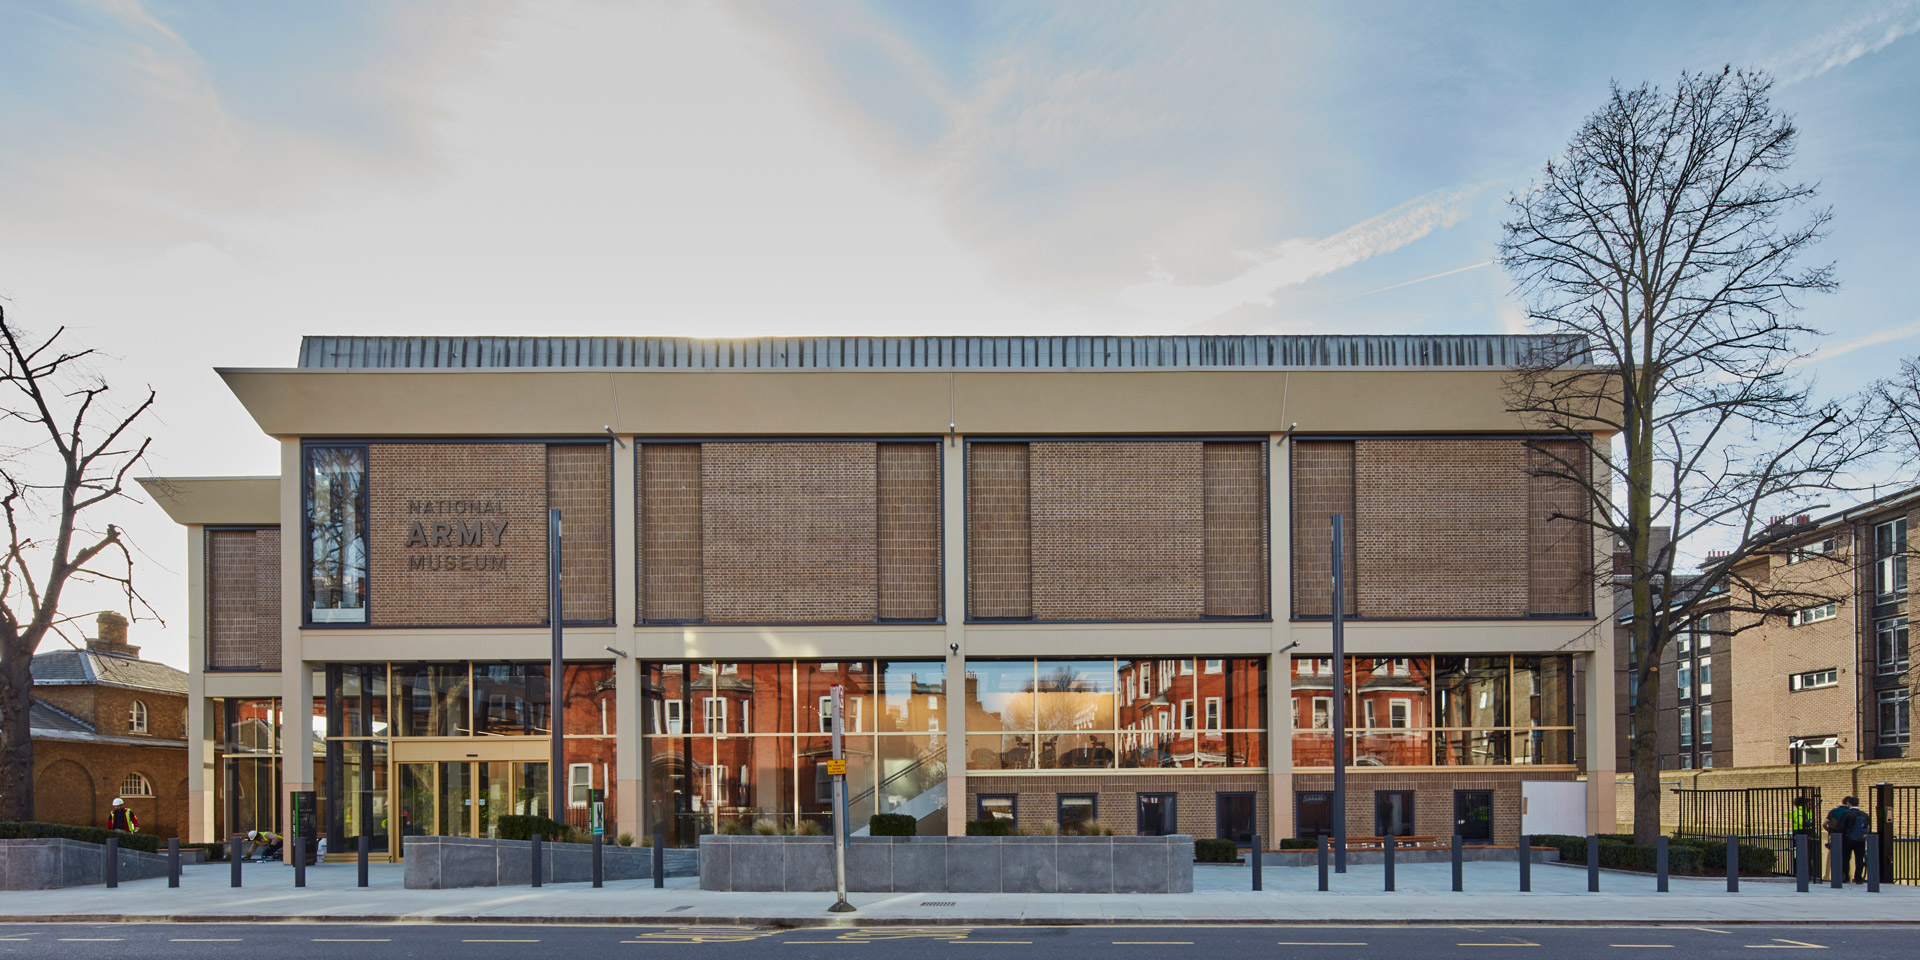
(337,534)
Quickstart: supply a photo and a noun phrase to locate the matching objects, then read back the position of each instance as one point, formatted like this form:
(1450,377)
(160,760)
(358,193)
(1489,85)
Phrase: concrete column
(1279,665)
(1599,694)
(953,565)
(629,693)
(201,772)
(296,675)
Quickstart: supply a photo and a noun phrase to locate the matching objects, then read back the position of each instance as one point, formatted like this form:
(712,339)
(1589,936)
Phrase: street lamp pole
(556,702)
(1339,697)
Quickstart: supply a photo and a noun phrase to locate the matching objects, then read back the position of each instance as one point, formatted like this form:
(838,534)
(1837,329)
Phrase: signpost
(837,769)
(597,811)
(1339,697)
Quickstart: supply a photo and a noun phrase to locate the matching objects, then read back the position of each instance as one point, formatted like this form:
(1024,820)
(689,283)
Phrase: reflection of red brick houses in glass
(1428,711)
(730,745)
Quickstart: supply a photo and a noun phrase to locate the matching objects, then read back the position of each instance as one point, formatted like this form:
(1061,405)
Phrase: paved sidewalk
(1220,896)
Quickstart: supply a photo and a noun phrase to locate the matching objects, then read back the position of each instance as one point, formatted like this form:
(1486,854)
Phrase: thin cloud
(1295,262)
(1850,41)
(1860,343)
(1409,283)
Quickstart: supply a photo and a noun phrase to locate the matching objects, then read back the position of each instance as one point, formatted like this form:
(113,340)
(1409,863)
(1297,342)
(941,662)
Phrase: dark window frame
(1013,806)
(306,533)
(1060,807)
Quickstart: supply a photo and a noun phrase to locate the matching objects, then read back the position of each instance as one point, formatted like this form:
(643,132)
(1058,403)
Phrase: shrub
(1298,843)
(767,827)
(516,826)
(1094,828)
(892,825)
(990,827)
(1215,851)
(626,840)
(809,828)
(734,828)
(30,830)
(1754,860)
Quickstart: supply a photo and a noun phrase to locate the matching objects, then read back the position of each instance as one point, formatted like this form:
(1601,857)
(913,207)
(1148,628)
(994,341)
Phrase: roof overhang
(209,501)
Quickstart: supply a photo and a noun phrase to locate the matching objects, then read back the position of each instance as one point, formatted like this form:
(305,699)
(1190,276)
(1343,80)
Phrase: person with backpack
(1854,850)
(122,819)
(1839,826)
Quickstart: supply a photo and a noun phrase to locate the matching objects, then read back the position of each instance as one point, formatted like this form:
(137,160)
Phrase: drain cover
(936,903)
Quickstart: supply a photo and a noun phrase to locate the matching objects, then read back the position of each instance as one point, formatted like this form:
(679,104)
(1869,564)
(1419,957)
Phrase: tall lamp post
(556,702)
(1339,697)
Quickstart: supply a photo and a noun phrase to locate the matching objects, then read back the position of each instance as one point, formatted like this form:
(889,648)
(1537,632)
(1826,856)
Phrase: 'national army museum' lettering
(1078,583)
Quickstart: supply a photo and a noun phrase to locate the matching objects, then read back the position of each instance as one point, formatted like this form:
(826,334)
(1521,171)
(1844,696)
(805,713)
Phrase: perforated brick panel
(243,599)
(1236,530)
(670,535)
(999,544)
(501,580)
(1559,551)
(580,485)
(789,531)
(909,530)
(1322,487)
(1441,529)
(1117,530)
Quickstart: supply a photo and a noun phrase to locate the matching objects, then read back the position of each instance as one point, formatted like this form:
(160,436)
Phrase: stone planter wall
(951,864)
(438,863)
(43,864)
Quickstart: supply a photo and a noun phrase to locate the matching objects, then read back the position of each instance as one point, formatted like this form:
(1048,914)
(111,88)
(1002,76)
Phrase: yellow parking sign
(837,768)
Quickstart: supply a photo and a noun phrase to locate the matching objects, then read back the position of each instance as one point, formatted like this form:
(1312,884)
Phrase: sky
(188,184)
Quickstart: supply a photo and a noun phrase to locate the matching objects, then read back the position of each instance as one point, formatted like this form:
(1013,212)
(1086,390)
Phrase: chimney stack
(112,639)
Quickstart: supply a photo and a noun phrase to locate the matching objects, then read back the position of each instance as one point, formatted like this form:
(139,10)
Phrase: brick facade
(999,528)
(580,486)
(1036,806)
(243,599)
(788,532)
(1118,531)
(1440,528)
(1433,797)
(1322,486)
(1559,551)
(75,782)
(669,536)
(501,582)
(1236,530)
(908,478)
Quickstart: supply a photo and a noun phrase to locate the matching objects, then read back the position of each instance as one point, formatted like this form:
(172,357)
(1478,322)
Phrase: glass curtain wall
(741,747)
(1108,714)
(1437,711)
(371,705)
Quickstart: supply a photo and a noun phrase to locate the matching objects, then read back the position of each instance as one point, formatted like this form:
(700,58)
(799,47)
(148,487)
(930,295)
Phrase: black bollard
(113,862)
(299,861)
(1323,864)
(1801,853)
(173,861)
(1733,864)
(1525,849)
(1837,861)
(659,860)
(1660,863)
(536,859)
(1457,885)
(1873,863)
(1593,863)
(596,861)
(1386,851)
(363,859)
(235,857)
(1255,857)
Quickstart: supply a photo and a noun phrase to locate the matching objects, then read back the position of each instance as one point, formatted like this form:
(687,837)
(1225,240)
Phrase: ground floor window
(1473,815)
(998,806)
(1077,812)
(1158,815)
(1313,814)
(1437,711)
(1234,817)
(1393,813)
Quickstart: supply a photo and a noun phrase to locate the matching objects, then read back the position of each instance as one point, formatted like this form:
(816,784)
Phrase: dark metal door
(1156,815)
(1473,815)
(1233,815)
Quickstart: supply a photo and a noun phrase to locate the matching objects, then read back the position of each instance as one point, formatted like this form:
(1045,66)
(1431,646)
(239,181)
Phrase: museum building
(1077,582)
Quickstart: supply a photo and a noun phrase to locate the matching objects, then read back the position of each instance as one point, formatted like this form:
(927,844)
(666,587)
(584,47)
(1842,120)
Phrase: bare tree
(1895,409)
(55,465)
(1664,244)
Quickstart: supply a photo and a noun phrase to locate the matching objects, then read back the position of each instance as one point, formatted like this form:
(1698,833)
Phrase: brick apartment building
(1061,580)
(108,724)
(1829,683)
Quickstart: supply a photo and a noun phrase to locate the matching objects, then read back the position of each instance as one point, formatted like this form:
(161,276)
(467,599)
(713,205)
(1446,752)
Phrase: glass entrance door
(464,798)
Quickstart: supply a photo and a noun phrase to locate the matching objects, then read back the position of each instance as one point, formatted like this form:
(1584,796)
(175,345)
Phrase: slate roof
(48,718)
(67,667)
